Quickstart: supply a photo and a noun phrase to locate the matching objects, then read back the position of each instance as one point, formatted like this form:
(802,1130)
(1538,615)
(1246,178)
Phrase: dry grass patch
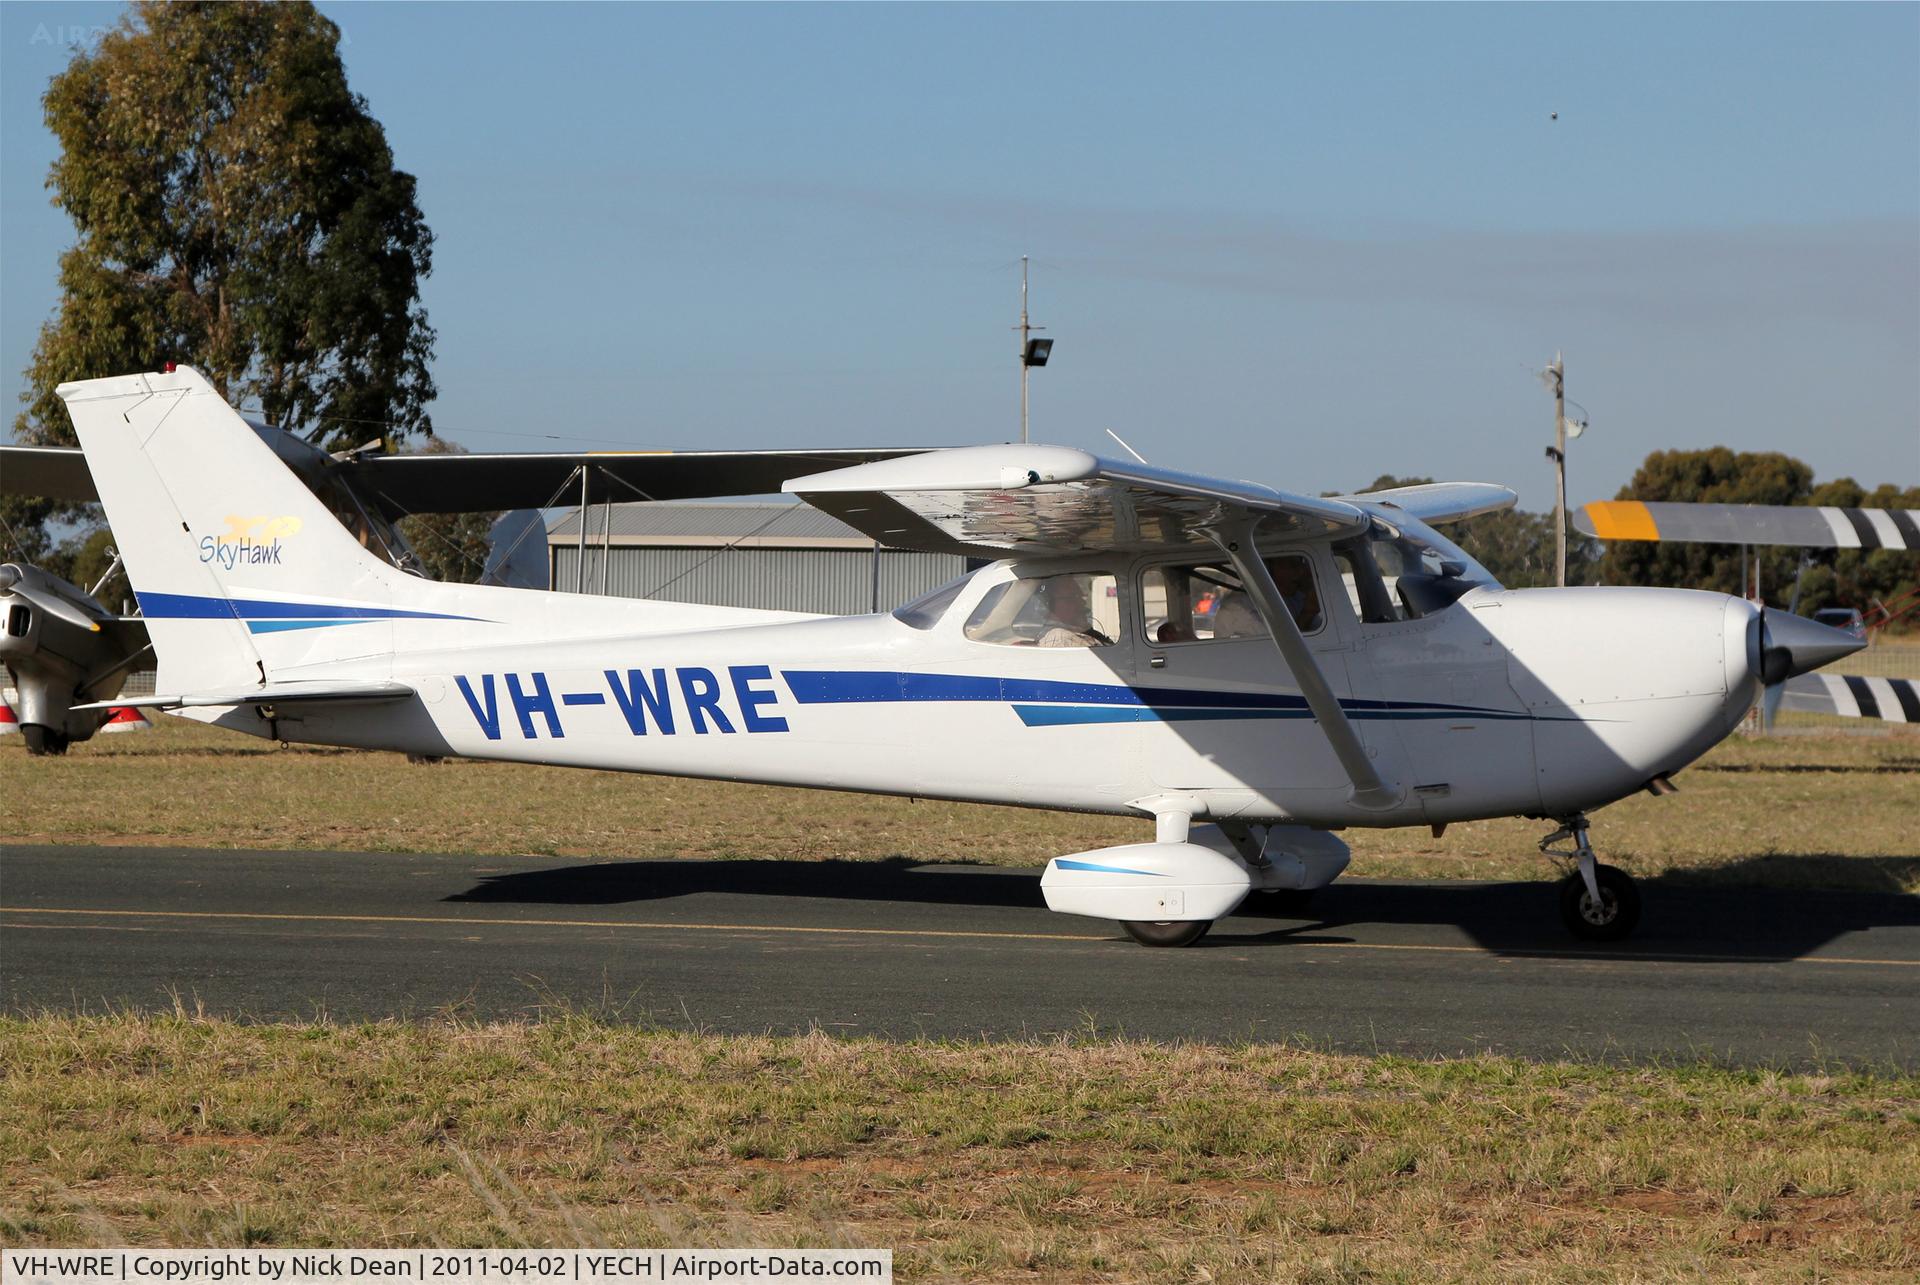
(1061,1160)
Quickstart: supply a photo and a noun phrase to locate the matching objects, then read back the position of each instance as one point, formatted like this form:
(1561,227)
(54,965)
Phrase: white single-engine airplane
(1251,669)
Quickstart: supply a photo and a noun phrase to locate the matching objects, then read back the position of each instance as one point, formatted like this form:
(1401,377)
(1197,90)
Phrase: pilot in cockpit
(1294,578)
(1069,620)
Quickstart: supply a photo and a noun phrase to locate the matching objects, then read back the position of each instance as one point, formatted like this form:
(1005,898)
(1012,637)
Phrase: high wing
(1041,501)
(404,484)
(992,501)
(1896,700)
(1805,525)
(1437,503)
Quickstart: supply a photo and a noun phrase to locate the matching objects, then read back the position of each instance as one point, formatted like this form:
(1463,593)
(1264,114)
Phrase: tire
(43,740)
(1618,915)
(1175,932)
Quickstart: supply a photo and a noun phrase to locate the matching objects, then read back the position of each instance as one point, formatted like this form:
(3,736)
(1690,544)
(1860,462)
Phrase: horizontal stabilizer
(1807,526)
(272,693)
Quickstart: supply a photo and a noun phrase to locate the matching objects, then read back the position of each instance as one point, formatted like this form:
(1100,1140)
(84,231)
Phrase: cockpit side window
(1072,609)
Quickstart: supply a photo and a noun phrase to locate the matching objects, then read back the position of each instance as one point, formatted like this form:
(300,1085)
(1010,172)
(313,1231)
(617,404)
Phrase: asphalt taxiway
(1752,976)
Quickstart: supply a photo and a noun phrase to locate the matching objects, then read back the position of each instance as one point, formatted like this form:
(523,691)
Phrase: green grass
(1095,1160)
(1808,810)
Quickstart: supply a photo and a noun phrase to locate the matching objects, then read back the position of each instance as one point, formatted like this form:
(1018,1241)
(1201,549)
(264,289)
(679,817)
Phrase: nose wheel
(1597,902)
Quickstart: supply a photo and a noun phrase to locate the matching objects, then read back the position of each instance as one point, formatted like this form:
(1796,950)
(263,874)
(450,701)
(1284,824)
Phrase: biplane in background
(1254,670)
(1895,700)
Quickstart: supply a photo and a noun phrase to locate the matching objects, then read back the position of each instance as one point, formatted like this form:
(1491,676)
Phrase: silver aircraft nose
(1784,645)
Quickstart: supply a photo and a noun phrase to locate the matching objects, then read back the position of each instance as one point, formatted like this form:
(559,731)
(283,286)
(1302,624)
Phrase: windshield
(925,611)
(1431,543)
(1406,573)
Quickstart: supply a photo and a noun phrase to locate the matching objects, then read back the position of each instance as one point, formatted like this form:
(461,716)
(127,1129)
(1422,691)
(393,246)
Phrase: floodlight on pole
(1033,352)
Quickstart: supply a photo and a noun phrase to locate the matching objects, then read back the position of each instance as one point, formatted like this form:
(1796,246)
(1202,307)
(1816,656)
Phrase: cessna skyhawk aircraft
(1253,669)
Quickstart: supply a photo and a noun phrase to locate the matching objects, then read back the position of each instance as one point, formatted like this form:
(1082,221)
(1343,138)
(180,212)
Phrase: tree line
(1517,546)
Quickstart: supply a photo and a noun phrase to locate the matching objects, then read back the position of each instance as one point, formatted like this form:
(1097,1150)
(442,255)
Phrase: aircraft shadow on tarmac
(1683,921)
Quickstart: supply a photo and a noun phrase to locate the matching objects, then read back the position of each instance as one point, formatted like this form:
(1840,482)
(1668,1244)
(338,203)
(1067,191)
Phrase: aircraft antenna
(1138,457)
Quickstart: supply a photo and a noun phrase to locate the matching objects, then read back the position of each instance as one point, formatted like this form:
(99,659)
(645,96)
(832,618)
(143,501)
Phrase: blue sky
(1300,244)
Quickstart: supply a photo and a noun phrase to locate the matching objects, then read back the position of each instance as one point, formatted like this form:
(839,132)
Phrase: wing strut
(1235,539)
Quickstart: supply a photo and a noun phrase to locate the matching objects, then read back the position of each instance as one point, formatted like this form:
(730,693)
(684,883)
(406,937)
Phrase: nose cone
(1790,645)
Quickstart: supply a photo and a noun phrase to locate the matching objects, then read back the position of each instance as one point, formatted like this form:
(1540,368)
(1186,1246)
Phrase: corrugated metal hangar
(771,555)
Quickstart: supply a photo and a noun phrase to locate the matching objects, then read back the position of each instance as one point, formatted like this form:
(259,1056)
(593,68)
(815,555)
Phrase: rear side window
(1205,602)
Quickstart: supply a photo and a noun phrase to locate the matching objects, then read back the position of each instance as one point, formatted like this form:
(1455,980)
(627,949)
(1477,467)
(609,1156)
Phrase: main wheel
(1172,932)
(42,739)
(1617,913)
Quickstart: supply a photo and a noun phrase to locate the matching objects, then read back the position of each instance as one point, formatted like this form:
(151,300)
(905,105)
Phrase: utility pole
(1558,373)
(1033,352)
(1025,331)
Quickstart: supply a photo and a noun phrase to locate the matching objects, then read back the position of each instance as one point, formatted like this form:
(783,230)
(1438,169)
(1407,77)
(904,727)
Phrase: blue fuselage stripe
(1049,703)
(282,626)
(189,606)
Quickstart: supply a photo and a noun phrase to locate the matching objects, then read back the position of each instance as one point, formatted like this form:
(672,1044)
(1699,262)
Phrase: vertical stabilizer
(239,569)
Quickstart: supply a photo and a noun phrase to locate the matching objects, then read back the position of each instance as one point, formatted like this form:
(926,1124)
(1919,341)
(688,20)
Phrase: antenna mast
(1033,352)
(1025,331)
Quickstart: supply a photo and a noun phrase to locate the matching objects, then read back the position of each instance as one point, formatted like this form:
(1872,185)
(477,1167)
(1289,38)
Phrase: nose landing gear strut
(1597,902)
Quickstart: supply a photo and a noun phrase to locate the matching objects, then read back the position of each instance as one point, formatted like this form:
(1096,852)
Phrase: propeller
(14,581)
(1790,645)
(1770,704)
